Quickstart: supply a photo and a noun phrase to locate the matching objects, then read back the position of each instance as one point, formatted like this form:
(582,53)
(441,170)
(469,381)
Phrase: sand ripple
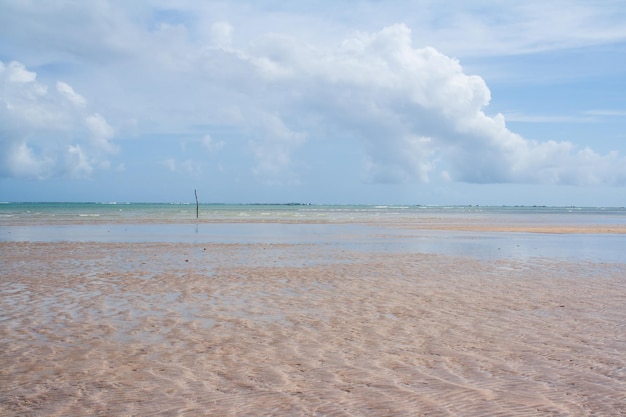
(248,330)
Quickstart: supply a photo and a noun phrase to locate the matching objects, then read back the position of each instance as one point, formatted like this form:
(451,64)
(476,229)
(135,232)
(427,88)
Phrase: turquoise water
(361,228)
(11,213)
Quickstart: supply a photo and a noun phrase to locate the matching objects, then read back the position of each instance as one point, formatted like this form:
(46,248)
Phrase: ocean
(476,231)
(12,213)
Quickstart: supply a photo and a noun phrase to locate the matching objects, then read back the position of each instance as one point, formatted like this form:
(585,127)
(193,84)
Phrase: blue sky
(370,102)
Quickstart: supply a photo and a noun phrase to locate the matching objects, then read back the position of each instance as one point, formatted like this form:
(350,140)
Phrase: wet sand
(252,329)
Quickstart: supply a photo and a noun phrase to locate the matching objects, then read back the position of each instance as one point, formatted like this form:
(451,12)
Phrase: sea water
(12,213)
(354,227)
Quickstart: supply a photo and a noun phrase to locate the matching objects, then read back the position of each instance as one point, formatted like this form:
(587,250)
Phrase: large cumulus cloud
(414,110)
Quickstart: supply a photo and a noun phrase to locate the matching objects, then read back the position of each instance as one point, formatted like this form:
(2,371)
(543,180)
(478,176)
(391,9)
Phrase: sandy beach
(254,329)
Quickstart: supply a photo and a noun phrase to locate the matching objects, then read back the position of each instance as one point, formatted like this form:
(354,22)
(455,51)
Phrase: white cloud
(170,164)
(42,137)
(607,113)
(211,144)
(482,28)
(101,132)
(273,145)
(69,93)
(221,34)
(188,165)
(77,162)
(191,166)
(17,73)
(19,160)
(414,110)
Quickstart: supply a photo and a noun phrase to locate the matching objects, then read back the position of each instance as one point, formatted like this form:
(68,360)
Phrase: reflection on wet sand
(305,329)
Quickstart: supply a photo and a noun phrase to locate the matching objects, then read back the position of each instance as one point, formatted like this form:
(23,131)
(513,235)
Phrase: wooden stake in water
(196,193)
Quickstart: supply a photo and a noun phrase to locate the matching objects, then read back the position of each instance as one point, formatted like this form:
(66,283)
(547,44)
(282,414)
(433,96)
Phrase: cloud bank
(48,132)
(415,113)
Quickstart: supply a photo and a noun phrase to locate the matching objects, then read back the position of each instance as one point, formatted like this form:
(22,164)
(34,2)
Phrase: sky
(433,102)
